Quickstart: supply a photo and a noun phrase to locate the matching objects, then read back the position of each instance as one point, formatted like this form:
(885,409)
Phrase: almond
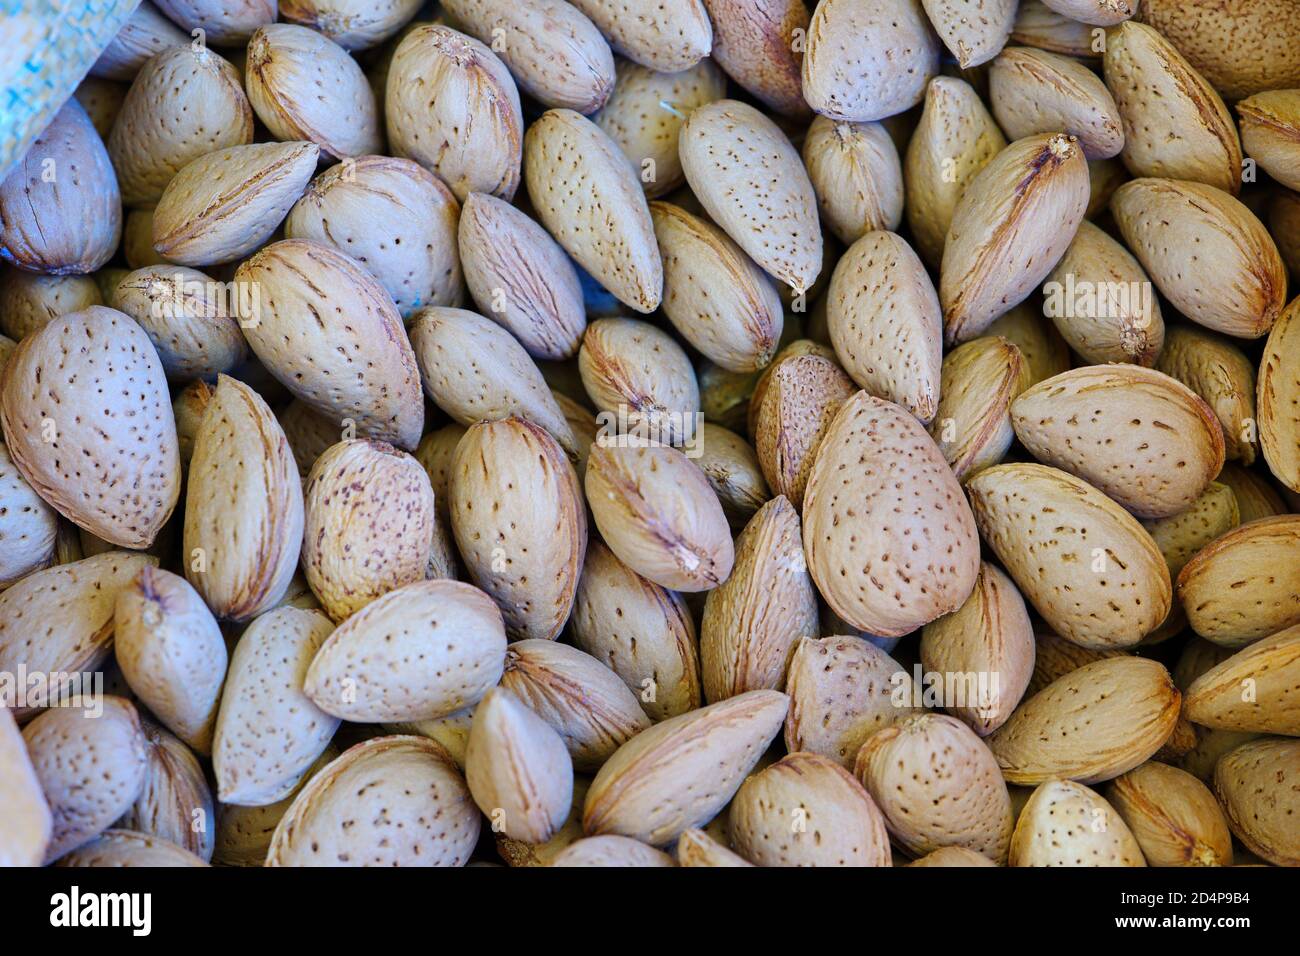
(1253,690)
(26,826)
(754,620)
(1246,584)
(1175,125)
(865,59)
(682,771)
(70,745)
(518,853)
(1054,657)
(27,541)
(185,102)
(1039,26)
(750,180)
(503,382)
(424,813)
(644,116)
(1173,816)
(657,513)
(145,33)
(519,521)
(587,195)
(1173,227)
(807,810)
(116,848)
(953,856)
(223,24)
(327,330)
(1143,438)
(520,277)
(666,37)
(798,406)
(1270,132)
(352,24)
(1279,399)
(60,208)
(731,465)
(937,785)
(697,848)
(28,301)
(437,81)
(175,803)
(883,574)
(1257,497)
(954,139)
(842,690)
(244,833)
(1011,226)
(1034,91)
(1093,724)
(978,383)
(225,204)
(1103,13)
(758,387)
(1067,824)
(1256,785)
(714,294)
(1219,372)
(642,631)
(98,442)
(757,43)
(171,653)
(616,851)
(395,218)
(244,507)
(857,176)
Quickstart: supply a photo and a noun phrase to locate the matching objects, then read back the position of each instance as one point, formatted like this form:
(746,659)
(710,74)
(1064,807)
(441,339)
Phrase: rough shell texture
(666,37)
(857,176)
(979,381)
(1279,398)
(352,24)
(757,43)
(28,536)
(223,24)
(1067,824)
(615,851)
(1173,816)
(26,826)
(1258,786)
(145,33)
(175,803)
(127,848)
(1033,91)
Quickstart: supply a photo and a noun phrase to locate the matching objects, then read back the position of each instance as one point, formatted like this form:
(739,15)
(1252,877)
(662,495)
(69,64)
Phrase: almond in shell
(697,848)
(666,37)
(26,826)
(1258,786)
(223,24)
(972,424)
(1067,824)
(1216,369)
(117,848)
(175,803)
(731,465)
(1034,91)
(611,851)
(973,30)
(1253,690)
(757,43)
(1039,26)
(29,300)
(31,526)
(1173,816)
(145,33)
(1270,132)
(857,176)
(1103,13)
(1279,398)
(352,24)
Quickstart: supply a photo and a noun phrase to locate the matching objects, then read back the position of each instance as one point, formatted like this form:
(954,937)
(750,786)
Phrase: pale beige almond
(1258,786)
(1257,497)
(807,810)
(1173,816)
(1041,346)
(117,847)
(27,541)
(1179,537)
(665,36)
(1253,690)
(682,771)
(1217,370)
(226,203)
(26,825)
(429,817)
(1034,91)
(1013,223)
(1175,227)
(697,848)
(1091,571)
(731,465)
(857,176)
(244,833)
(518,853)
(438,80)
(757,42)
(435,452)
(1067,824)
(1104,13)
(1138,435)
(978,383)
(223,22)
(175,802)
(1270,133)
(1039,26)
(1093,724)
(974,31)
(352,24)
(616,851)
(954,139)
(29,300)
(395,218)
(145,33)
(714,294)
(642,631)
(1279,398)
(1246,584)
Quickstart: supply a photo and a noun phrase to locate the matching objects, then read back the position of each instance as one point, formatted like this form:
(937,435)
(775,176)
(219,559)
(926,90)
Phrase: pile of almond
(657,433)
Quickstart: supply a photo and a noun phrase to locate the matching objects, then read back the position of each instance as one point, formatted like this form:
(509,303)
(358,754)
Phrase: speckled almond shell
(244,833)
(1103,13)
(681,772)
(268,730)
(664,35)
(243,507)
(60,208)
(29,300)
(1220,373)
(1092,724)
(843,826)
(71,745)
(1049,529)
(697,848)
(1173,816)
(645,112)
(418,810)
(1067,824)
(304,86)
(556,55)
(1041,27)
(611,851)
(641,631)
(586,193)
(868,59)
(145,33)
(474,370)
(227,203)
(452,107)
(175,802)
(716,297)
(87,420)
(1034,91)
(421,651)
(658,514)
(1174,228)
(857,176)
(520,278)
(223,22)
(520,525)
(633,368)
(184,103)
(1143,438)
(937,785)
(352,24)
(751,181)
(369,524)
(327,330)
(756,43)
(30,528)
(978,383)
(731,465)
(1271,668)
(26,825)
(1175,124)
(1258,786)
(889,536)
(973,30)
(171,653)
(1270,133)
(118,847)
(1279,398)
(1012,224)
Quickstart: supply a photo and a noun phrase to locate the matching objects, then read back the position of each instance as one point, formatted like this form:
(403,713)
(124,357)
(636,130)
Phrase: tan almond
(175,802)
(145,33)
(31,527)
(757,43)
(1257,497)
(732,467)
(1256,785)
(1173,816)
(978,383)
(1279,398)
(612,851)
(1041,346)
(1039,26)
(1221,374)
(1067,824)
(857,176)
(697,848)
(1034,91)
(1270,132)
(26,826)
(28,300)
(352,24)
(666,37)
(1254,690)
(1102,13)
